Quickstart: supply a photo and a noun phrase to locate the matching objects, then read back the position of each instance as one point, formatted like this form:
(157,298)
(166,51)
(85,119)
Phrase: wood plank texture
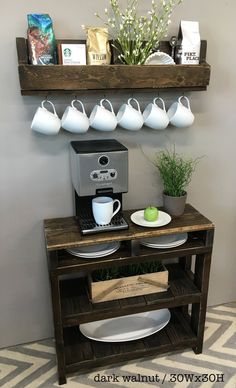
(68,263)
(72,305)
(62,233)
(22,51)
(83,354)
(59,77)
(77,307)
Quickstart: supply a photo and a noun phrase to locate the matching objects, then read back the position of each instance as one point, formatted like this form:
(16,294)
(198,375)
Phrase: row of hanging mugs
(103,117)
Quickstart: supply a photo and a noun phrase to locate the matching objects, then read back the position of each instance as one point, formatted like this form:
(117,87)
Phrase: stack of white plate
(95,251)
(126,328)
(168,241)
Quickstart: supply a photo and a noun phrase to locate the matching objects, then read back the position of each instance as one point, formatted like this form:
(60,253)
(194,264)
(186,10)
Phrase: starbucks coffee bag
(188,51)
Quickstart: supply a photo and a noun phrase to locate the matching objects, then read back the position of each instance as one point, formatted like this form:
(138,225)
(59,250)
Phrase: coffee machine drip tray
(89,226)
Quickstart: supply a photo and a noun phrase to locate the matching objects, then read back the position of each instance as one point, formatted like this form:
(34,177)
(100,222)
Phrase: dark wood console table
(71,304)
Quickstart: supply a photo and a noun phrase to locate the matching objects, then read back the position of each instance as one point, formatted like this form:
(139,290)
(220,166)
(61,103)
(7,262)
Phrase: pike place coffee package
(189,43)
(41,40)
(98,47)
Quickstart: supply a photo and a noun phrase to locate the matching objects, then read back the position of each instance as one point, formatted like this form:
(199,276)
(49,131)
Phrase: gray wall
(34,173)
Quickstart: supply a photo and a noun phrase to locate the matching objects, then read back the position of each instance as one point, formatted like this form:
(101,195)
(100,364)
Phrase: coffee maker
(98,168)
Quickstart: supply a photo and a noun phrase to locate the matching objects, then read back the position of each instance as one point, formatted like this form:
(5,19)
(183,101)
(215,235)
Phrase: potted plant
(176,172)
(135,37)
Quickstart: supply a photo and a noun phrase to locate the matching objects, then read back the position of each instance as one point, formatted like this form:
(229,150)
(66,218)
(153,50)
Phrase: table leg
(201,279)
(58,329)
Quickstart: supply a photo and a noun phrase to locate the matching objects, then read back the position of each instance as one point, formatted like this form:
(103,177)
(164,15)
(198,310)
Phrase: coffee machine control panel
(98,165)
(103,175)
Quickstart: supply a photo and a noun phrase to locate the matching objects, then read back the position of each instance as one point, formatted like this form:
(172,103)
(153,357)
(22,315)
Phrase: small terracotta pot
(174,205)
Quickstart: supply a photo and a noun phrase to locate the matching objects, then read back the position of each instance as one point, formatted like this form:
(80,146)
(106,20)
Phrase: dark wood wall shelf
(72,306)
(59,79)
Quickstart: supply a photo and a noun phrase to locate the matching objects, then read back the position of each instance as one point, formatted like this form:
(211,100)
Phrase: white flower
(127,26)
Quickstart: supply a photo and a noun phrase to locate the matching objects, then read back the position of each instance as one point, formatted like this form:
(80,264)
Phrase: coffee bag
(98,48)
(189,43)
(41,40)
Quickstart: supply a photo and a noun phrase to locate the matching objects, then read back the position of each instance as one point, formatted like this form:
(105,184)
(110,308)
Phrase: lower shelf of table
(82,354)
(77,307)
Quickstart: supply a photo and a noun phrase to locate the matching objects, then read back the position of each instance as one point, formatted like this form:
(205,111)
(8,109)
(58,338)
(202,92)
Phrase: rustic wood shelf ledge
(57,79)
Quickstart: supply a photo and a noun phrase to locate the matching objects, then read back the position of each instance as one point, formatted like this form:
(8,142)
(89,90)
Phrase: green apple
(151,213)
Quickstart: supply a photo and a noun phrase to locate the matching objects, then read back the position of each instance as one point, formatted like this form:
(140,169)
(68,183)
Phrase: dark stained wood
(68,41)
(186,262)
(77,347)
(176,335)
(58,329)
(22,51)
(72,305)
(80,92)
(201,279)
(59,77)
(62,233)
(77,307)
(48,79)
(69,264)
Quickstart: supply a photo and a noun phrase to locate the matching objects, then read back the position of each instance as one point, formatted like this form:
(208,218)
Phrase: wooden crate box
(150,283)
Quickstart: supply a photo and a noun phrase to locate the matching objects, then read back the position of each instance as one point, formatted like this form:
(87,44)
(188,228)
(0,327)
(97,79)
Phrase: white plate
(126,328)
(169,241)
(138,218)
(93,251)
(95,256)
(159,58)
(93,248)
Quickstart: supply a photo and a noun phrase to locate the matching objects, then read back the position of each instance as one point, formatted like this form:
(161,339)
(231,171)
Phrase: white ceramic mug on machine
(130,118)
(103,119)
(180,115)
(154,116)
(102,208)
(74,120)
(46,122)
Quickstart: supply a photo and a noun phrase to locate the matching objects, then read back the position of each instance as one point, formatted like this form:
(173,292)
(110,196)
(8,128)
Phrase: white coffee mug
(102,208)
(154,116)
(46,122)
(130,118)
(103,119)
(179,115)
(73,120)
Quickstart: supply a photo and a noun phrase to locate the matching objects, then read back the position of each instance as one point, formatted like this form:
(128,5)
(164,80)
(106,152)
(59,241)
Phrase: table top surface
(62,233)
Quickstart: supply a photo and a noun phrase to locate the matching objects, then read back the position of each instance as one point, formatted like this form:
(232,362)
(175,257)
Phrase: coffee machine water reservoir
(98,168)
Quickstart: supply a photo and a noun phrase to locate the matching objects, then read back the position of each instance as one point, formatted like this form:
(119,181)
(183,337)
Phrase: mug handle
(53,107)
(118,208)
(134,99)
(106,100)
(160,99)
(80,102)
(186,98)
